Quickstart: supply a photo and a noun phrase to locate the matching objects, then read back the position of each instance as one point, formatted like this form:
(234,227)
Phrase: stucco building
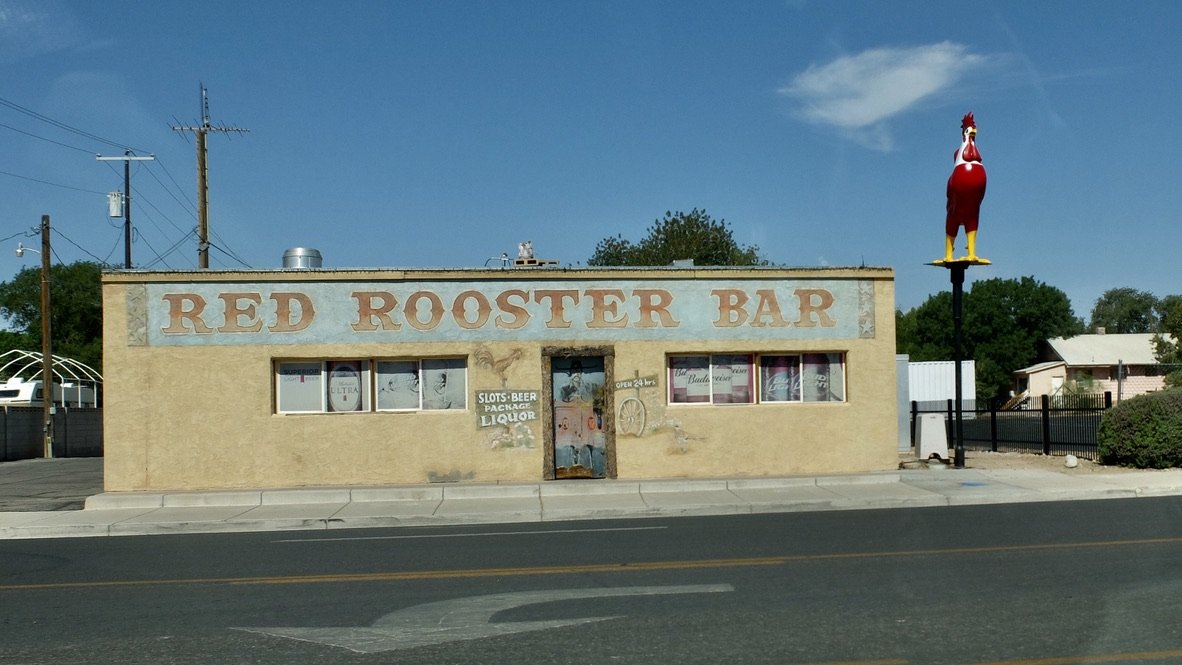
(281,378)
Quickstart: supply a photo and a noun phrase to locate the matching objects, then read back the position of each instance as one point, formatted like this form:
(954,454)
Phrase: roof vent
(302,257)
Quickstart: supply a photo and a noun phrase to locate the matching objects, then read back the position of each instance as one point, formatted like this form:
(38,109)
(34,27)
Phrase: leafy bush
(1143,432)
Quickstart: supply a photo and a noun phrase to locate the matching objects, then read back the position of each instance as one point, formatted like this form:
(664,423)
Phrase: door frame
(608,353)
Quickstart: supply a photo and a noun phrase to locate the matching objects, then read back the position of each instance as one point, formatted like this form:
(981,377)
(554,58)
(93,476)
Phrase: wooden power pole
(202,176)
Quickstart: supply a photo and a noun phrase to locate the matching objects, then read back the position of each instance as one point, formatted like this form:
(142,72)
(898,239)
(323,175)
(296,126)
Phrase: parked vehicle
(18,392)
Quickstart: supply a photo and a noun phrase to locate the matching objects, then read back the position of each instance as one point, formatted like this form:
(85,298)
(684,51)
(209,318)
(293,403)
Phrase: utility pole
(202,180)
(127,159)
(47,404)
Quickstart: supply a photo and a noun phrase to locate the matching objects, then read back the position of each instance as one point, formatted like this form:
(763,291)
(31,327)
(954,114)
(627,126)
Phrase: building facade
(283,378)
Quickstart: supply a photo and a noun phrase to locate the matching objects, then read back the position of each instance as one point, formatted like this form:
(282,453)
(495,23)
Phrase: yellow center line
(620,567)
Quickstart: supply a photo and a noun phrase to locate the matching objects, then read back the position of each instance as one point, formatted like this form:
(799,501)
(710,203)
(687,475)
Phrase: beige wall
(203,416)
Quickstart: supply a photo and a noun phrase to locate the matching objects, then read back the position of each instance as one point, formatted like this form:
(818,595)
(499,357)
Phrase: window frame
(365,375)
(719,371)
(810,375)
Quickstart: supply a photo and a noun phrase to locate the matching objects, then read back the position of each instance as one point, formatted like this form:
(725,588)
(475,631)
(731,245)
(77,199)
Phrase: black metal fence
(77,432)
(1059,425)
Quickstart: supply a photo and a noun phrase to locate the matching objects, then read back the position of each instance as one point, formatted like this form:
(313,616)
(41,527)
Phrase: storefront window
(779,378)
(427,384)
(721,379)
(731,379)
(300,387)
(823,377)
(689,379)
(445,384)
(346,386)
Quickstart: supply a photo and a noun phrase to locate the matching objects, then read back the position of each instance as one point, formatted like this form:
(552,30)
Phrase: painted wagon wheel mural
(631,416)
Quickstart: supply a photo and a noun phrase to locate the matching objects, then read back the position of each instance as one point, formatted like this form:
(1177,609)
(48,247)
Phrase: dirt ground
(974,459)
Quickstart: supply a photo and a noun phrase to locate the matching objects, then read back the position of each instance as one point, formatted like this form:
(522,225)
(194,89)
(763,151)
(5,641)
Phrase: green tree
(1004,321)
(76,304)
(1125,310)
(925,333)
(681,235)
(1168,343)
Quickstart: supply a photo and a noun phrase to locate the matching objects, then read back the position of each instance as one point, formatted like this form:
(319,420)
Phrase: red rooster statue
(966,189)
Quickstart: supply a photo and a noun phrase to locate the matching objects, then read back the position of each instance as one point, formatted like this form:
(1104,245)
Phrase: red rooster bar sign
(966,190)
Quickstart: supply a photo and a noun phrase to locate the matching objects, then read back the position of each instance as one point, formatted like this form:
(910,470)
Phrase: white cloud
(857,93)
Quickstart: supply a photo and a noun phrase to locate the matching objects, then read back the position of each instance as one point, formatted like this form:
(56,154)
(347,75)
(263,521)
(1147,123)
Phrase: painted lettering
(814,302)
(557,309)
(367,312)
(487,420)
(235,310)
(482,308)
(655,303)
(598,309)
(283,312)
(178,314)
(519,313)
(768,307)
(731,312)
(412,311)
(605,303)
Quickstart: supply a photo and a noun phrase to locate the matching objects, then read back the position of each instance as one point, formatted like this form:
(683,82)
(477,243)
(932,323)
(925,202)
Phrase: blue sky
(405,134)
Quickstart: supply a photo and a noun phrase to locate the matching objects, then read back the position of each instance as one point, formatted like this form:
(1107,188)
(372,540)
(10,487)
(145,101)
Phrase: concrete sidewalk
(140,513)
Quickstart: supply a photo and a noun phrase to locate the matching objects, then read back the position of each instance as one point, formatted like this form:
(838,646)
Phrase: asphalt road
(1032,584)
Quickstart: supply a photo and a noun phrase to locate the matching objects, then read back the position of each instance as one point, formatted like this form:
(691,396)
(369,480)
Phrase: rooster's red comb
(968,121)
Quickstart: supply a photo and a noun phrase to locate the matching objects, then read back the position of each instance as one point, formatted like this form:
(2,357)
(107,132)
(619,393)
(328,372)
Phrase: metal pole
(46,345)
(957,273)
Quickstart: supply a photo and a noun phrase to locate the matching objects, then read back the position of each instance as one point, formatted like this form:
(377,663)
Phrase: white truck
(18,392)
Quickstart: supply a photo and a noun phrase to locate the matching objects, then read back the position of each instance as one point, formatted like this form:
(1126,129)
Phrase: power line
(231,255)
(61,125)
(80,247)
(42,138)
(52,184)
(160,257)
(186,203)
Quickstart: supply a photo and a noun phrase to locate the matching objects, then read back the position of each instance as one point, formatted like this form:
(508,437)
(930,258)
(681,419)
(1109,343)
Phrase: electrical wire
(160,257)
(61,125)
(64,145)
(80,247)
(52,184)
(186,203)
(232,255)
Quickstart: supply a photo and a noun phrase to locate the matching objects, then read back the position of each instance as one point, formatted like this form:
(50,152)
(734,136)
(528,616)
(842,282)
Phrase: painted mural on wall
(631,411)
(580,440)
(501,408)
(204,313)
(484,358)
(518,435)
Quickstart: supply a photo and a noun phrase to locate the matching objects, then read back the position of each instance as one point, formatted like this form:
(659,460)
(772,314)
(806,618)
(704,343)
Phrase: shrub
(1143,432)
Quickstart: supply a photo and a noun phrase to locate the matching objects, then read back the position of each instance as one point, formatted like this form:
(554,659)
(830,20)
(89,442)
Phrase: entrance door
(580,442)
